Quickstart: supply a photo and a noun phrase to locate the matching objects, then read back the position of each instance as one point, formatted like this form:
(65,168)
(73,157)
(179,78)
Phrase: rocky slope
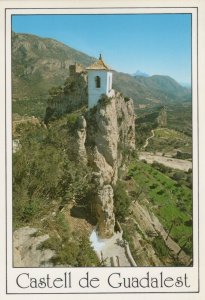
(26,248)
(38,64)
(149,232)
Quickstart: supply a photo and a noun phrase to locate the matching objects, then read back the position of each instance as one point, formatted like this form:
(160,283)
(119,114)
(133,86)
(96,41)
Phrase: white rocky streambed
(111,251)
(174,163)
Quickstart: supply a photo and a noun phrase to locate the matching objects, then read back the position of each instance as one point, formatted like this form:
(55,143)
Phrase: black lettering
(179,282)
(57,280)
(33,283)
(185,280)
(168,279)
(94,279)
(48,281)
(146,279)
(161,281)
(67,280)
(85,280)
(111,283)
(135,282)
(42,283)
(126,282)
(18,278)
(154,283)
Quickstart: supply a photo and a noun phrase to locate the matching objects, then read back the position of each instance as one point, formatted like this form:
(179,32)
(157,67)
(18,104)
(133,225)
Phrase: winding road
(147,140)
(175,163)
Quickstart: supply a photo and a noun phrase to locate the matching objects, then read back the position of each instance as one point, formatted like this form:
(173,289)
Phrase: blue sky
(152,43)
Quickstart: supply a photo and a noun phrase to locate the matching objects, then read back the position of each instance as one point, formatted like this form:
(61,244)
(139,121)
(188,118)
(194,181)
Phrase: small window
(97,81)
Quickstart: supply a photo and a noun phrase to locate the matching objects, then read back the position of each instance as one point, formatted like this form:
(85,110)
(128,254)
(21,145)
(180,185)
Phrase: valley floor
(174,163)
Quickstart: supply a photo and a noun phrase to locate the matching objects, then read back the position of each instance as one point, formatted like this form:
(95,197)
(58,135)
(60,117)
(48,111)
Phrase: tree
(121,201)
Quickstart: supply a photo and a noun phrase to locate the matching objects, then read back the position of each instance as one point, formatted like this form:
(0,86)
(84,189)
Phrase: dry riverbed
(174,163)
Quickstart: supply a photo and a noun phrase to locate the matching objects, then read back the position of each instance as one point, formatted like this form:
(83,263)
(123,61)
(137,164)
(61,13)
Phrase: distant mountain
(139,73)
(40,63)
(155,89)
(186,84)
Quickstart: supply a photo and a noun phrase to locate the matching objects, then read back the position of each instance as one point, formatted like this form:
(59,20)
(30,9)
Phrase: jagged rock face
(104,211)
(111,132)
(80,142)
(102,167)
(114,134)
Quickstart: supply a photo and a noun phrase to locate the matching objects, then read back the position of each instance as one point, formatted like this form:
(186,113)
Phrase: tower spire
(100,57)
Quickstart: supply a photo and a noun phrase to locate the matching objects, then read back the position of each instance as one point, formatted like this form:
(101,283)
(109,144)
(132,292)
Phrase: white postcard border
(104,273)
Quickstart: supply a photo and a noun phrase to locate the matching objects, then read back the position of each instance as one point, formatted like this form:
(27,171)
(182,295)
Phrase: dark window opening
(97,81)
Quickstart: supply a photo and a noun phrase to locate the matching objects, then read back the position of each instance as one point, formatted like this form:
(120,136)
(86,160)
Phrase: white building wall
(95,93)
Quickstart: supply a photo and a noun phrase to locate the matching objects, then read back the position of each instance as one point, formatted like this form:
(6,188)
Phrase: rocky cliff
(105,138)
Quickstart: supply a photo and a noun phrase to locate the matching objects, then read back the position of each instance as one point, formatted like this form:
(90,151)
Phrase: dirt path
(147,140)
(110,249)
(174,163)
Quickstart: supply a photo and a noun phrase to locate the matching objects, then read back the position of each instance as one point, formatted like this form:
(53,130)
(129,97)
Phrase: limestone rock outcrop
(104,211)
(110,140)
(25,248)
(80,140)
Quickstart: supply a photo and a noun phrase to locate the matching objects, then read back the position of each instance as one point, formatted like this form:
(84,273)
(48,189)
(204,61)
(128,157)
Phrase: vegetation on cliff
(46,178)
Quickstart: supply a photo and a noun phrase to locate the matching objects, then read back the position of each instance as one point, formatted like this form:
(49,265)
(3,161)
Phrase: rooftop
(98,65)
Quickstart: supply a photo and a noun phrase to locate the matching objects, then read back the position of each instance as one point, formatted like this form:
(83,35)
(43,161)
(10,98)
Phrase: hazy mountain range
(140,73)
(40,63)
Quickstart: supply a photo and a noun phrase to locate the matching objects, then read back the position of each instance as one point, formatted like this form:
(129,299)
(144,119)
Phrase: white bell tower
(99,81)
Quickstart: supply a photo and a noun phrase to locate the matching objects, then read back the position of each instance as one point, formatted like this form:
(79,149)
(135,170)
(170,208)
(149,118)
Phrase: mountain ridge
(140,73)
(41,63)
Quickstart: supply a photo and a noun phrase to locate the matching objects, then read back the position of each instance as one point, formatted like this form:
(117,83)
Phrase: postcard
(102,149)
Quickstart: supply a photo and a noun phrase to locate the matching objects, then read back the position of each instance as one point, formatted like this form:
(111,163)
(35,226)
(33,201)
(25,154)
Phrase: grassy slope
(177,134)
(166,140)
(172,203)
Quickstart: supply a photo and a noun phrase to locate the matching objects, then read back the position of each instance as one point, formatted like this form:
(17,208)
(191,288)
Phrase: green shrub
(160,247)
(121,201)
(43,171)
